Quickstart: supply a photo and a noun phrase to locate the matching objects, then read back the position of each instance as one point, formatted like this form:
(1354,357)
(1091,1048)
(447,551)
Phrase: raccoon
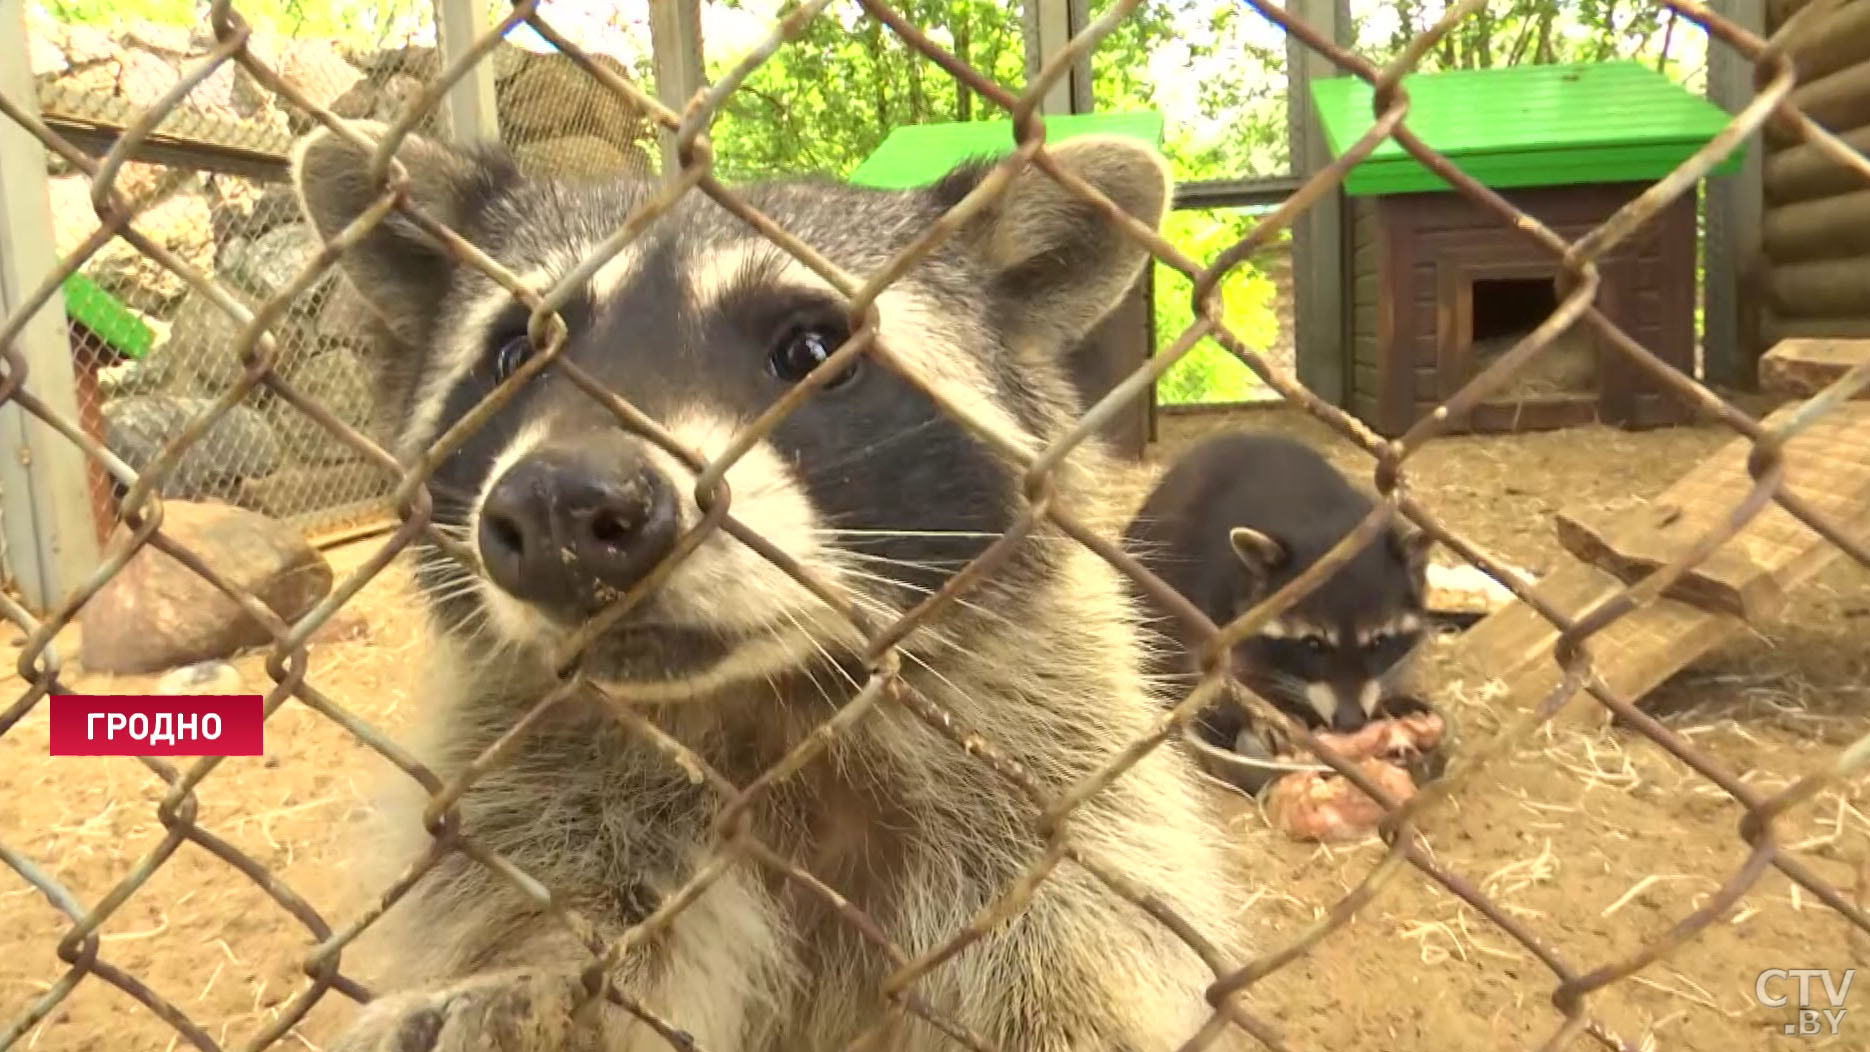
(1236,517)
(869,484)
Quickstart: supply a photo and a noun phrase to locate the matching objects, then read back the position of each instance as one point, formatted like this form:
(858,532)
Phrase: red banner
(158,725)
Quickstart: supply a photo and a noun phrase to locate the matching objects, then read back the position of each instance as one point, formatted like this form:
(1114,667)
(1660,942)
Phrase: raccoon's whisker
(476,628)
(905,586)
(1292,687)
(459,592)
(435,555)
(944,534)
(852,457)
(454,588)
(812,638)
(824,693)
(932,566)
(945,681)
(885,614)
(448,575)
(448,584)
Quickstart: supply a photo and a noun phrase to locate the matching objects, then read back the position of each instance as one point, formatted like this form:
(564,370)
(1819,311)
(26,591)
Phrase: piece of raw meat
(1315,805)
(1413,734)
(1323,806)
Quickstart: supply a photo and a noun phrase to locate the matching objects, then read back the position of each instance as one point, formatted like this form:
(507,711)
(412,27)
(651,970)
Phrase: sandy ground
(1598,842)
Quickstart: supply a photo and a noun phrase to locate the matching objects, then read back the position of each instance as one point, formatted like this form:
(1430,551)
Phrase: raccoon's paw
(503,1012)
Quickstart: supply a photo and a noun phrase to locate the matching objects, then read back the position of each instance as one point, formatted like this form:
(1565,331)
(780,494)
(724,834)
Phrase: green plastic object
(105,315)
(919,154)
(1525,126)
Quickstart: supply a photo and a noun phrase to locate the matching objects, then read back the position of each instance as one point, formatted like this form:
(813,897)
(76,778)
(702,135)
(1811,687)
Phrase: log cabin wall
(1815,222)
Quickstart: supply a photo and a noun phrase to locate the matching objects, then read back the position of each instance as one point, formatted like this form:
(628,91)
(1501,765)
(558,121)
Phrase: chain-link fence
(263,362)
(220,200)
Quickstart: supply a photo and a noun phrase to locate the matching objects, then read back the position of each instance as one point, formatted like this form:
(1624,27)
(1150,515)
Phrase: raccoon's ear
(1412,545)
(1261,554)
(1060,266)
(400,271)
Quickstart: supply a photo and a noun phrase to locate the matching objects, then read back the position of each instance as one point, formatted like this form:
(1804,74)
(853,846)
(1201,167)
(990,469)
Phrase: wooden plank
(1731,336)
(51,542)
(1828,465)
(469,106)
(1320,321)
(1507,657)
(1632,543)
(1777,11)
(1802,368)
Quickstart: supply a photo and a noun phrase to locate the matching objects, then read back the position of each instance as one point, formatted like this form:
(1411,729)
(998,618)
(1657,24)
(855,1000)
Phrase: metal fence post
(675,37)
(1049,26)
(470,109)
(1730,338)
(51,537)
(1320,353)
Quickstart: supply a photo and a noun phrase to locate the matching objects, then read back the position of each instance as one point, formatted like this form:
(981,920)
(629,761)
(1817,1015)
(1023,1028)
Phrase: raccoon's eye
(799,350)
(512,354)
(1315,644)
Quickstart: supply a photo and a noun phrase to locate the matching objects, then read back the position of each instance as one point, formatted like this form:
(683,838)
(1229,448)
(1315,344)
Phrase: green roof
(919,154)
(105,315)
(1528,126)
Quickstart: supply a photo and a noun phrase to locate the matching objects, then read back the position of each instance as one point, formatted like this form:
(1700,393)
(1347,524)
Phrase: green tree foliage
(1215,68)
(825,102)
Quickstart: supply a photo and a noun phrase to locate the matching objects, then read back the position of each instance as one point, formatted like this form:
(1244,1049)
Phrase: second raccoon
(1241,514)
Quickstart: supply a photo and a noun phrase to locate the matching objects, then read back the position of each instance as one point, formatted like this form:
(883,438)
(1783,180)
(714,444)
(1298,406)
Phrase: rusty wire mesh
(265,356)
(551,120)
(221,203)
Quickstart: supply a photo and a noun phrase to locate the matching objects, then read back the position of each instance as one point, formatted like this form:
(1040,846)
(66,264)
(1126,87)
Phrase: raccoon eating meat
(1230,522)
(702,324)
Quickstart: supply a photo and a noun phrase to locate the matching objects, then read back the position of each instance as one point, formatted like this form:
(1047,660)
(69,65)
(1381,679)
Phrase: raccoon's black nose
(565,526)
(1348,717)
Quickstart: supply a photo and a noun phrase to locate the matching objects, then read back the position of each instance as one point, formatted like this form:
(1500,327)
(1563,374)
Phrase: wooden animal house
(919,154)
(1436,284)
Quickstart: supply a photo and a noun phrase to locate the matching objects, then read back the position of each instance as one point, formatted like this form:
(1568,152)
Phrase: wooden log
(1803,171)
(1827,288)
(1802,368)
(1841,100)
(1828,465)
(1839,39)
(1777,11)
(1774,329)
(1822,228)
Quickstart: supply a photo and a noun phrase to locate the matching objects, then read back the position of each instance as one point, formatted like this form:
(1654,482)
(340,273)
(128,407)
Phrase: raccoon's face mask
(701,324)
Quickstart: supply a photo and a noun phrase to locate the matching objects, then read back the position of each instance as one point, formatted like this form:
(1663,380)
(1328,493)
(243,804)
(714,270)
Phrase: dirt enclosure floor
(1597,841)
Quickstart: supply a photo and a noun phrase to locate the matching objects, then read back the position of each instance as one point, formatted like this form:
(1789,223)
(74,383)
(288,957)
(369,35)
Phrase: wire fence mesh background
(222,203)
(283,361)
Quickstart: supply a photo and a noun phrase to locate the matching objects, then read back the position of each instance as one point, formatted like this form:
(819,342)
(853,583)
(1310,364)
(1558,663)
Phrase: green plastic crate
(104,314)
(1526,126)
(919,154)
